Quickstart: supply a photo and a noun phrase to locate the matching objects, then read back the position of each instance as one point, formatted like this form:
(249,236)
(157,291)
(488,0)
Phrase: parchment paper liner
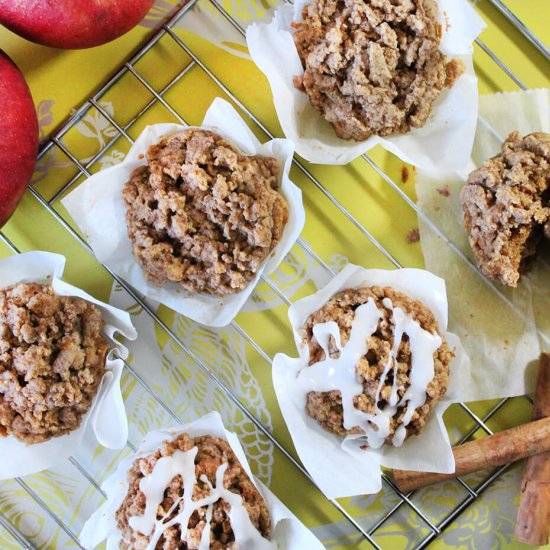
(446,139)
(107,415)
(98,209)
(499,331)
(338,465)
(287,531)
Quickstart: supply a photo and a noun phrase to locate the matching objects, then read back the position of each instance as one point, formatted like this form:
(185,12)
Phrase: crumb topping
(52,360)
(373,67)
(203,215)
(506,205)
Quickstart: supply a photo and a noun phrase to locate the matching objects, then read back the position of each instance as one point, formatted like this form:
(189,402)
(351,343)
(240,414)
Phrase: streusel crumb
(52,360)
(203,215)
(373,66)
(506,205)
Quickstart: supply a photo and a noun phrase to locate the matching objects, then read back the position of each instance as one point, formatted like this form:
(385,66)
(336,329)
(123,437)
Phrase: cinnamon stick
(533,520)
(496,450)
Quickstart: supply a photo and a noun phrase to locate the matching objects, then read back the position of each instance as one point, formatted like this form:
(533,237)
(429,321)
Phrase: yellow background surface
(62,81)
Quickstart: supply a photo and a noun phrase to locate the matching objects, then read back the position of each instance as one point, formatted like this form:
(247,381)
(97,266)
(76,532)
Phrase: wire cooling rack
(363,532)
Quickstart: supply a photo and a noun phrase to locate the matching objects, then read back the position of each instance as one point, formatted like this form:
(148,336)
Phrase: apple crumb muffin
(202,215)
(211,454)
(373,67)
(52,360)
(506,206)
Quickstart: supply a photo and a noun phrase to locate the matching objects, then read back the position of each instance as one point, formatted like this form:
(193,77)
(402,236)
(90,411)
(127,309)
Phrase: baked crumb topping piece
(52,360)
(506,205)
(373,67)
(203,215)
(211,454)
(377,395)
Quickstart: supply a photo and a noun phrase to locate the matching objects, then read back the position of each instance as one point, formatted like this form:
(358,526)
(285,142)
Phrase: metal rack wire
(122,131)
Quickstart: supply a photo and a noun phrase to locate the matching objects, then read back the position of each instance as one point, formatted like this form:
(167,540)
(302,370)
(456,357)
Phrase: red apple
(18,136)
(72,24)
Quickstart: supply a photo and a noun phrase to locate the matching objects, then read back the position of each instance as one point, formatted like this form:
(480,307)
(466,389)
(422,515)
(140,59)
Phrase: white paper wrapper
(446,139)
(354,471)
(107,416)
(505,333)
(288,532)
(98,208)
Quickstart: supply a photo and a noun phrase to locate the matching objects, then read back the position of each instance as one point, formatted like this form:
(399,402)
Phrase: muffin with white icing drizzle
(192,493)
(378,364)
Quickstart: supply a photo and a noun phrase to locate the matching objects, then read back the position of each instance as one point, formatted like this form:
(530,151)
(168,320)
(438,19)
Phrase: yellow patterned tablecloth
(61,81)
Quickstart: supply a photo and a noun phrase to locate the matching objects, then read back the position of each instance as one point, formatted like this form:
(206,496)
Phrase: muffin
(202,215)
(506,206)
(52,361)
(387,399)
(373,67)
(158,511)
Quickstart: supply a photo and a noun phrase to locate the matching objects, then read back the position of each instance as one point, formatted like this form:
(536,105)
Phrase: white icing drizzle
(183,464)
(339,374)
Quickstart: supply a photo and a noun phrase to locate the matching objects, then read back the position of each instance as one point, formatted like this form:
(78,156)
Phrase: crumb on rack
(405,173)
(447,22)
(413,236)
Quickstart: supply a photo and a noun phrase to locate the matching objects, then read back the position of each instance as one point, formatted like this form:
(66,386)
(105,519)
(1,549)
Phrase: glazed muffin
(506,206)
(52,360)
(192,507)
(373,67)
(382,377)
(202,215)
